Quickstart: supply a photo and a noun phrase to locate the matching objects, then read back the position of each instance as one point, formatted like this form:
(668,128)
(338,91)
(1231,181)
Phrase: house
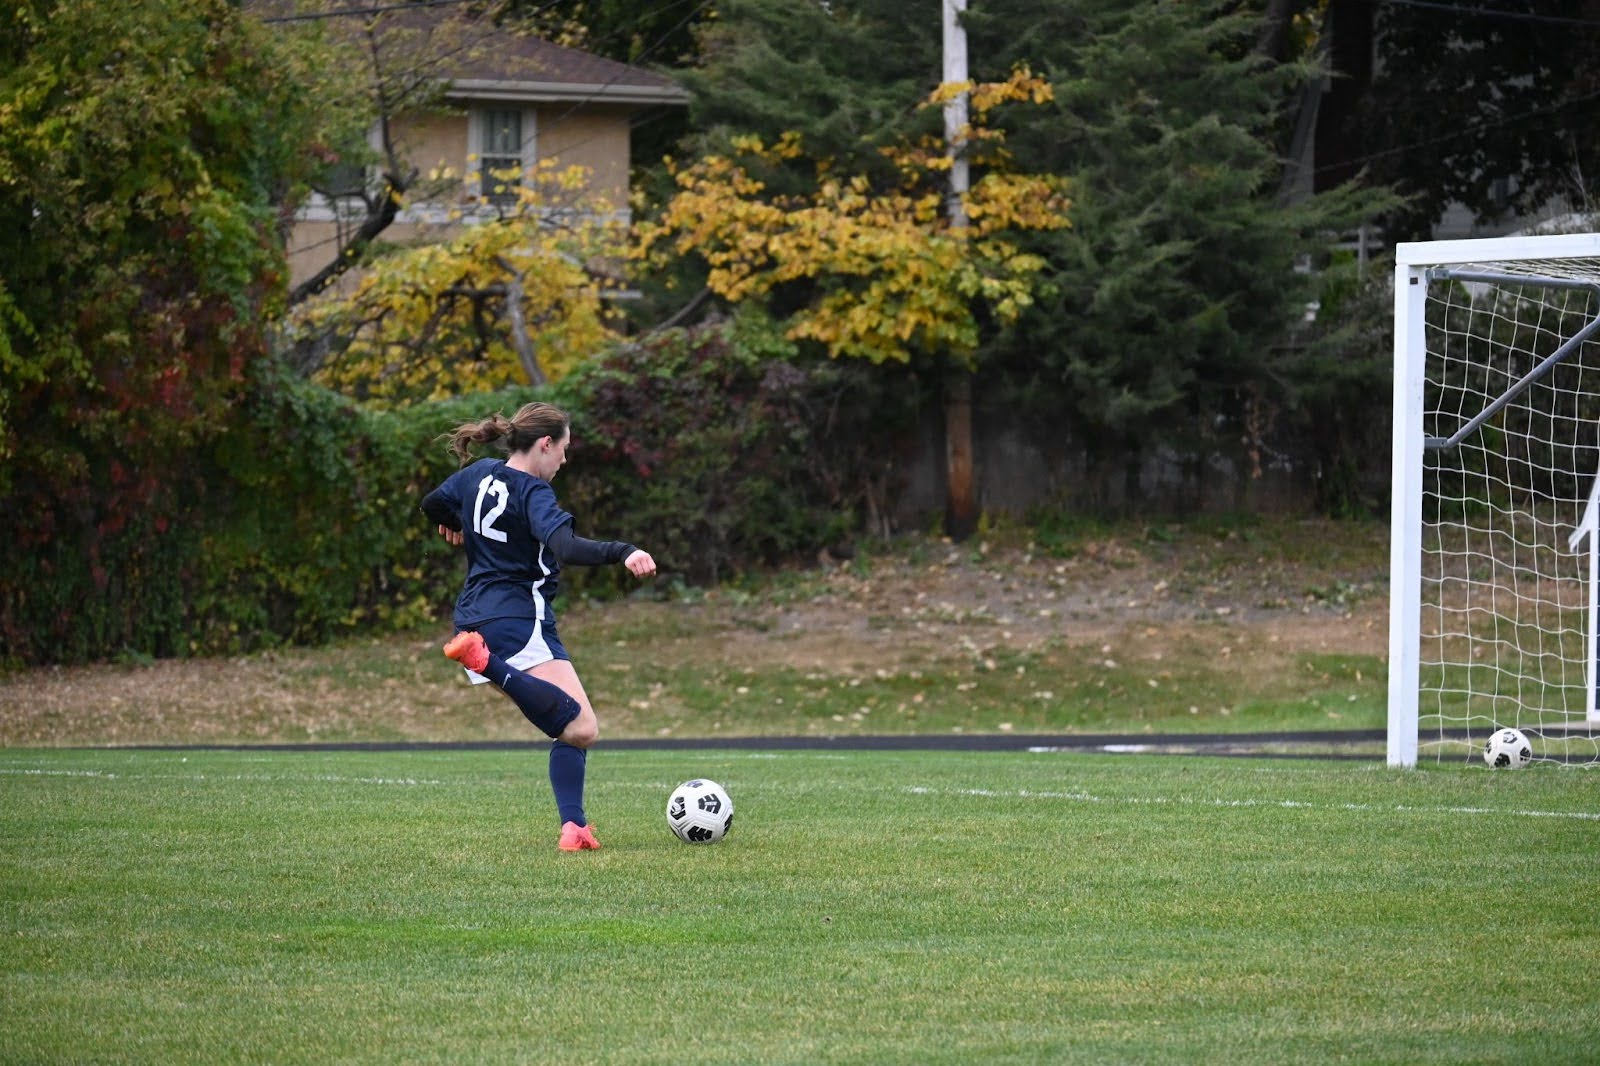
(481,100)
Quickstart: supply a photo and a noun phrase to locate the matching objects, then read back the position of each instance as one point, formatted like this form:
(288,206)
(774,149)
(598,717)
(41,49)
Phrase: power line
(315,16)
(1491,12)
(659,41)
(1467,131)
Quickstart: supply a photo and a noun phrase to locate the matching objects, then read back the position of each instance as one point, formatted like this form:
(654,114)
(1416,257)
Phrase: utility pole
(961,510)
(955,112)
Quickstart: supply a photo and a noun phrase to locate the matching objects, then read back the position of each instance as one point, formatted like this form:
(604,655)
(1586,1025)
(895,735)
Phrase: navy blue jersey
(506,519)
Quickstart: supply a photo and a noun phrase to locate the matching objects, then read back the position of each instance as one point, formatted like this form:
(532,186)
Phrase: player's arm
(581,551)
(442,509)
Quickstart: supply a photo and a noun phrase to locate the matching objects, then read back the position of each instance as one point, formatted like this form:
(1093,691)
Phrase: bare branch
(682,313)
(519,326)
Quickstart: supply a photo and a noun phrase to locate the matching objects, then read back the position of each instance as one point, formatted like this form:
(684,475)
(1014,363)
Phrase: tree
(515,292)
(1519,89)
(629,31)
(512,299)
(1159,310)
(889,277)
(875,269)
(142,148)
(848,77)
(1172,294)
(857,124)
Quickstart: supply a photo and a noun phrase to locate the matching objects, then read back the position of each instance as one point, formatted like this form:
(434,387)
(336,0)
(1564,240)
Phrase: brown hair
(531,423)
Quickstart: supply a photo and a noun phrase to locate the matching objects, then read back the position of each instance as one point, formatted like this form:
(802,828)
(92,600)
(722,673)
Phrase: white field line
(111,775)
(1150,801)
(664,787)
(1189,801)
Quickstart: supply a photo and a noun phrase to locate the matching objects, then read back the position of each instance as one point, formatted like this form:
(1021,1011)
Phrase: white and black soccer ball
(700,812)
(1508,749)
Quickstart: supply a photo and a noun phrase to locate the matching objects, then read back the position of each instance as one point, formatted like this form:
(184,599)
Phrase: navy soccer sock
(543,704)
(567,767)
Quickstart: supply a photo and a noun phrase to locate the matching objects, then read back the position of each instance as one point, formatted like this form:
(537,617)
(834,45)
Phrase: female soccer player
(517,538)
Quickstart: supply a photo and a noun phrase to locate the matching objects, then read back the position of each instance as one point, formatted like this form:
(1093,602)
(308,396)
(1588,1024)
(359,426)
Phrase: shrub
(296,520)
(721,450)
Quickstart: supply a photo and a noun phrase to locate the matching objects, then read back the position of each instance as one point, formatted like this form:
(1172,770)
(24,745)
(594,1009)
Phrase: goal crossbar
(1496,250)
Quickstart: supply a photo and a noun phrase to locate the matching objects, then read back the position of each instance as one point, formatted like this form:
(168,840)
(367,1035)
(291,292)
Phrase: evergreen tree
(848,77)
(1176,284)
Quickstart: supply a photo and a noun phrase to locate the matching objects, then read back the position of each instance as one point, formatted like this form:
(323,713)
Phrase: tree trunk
(961,508)
(1273,40)
(1339,144)
(519,325)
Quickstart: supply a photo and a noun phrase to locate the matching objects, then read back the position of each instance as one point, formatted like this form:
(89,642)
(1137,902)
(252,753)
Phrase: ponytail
(531,424)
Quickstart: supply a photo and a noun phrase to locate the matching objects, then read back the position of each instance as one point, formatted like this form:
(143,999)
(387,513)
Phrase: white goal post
(1494,569)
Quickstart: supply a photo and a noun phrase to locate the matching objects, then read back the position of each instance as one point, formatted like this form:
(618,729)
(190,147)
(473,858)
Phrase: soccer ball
(700,812)
(1508,748)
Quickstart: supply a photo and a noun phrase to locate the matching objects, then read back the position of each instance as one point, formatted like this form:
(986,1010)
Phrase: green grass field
(867,907)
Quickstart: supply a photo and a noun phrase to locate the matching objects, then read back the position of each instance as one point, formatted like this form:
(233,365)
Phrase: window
(342,180)
(501,158)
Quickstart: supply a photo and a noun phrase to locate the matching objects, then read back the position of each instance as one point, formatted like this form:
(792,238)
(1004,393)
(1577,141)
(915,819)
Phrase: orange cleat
(468,649)
(575,837)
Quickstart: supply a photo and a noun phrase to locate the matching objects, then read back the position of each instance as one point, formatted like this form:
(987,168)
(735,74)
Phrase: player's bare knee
(581,732)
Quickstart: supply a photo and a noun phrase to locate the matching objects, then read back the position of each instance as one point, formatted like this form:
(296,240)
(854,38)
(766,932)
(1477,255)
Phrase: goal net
(1495,549)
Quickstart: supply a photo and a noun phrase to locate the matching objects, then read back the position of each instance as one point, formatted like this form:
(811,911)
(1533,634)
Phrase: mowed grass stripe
(867,907)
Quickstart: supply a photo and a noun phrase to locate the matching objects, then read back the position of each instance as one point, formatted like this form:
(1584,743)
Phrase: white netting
(1505,627)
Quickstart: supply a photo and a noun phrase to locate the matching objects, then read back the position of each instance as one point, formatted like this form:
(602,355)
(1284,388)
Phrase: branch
(681,314)
(519,325)
(376,222)
(382,213)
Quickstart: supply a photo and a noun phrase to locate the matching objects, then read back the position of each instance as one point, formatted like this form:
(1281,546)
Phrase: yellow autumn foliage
(514,294)
(892,275)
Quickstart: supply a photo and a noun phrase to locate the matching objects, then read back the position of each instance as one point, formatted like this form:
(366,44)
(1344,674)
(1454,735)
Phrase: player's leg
(546,705)
(569,757)
(550,696)
(583,730)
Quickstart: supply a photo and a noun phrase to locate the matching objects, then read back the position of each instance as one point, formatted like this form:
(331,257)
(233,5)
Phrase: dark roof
(480,60)
(538,66)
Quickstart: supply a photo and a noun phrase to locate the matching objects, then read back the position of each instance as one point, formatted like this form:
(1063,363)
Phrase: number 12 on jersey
(483,523)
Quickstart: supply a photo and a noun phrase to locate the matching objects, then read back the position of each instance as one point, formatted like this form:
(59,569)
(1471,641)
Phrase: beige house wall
(595,138)
(433,140)
(312,246)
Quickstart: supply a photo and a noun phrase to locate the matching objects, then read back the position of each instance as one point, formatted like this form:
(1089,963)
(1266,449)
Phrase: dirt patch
(1252,594)
(880,614)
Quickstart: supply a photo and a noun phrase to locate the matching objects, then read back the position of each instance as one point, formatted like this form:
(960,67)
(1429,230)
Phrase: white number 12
(483,524)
